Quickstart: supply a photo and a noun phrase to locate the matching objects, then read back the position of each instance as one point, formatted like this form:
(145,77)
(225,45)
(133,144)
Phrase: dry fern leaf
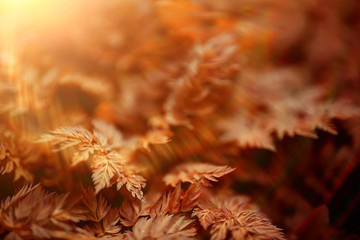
(15,154)
(208,209)
(237,216)
(176,201)
(245,225)
(162,227)
(102,149)
(68,137)
(104,217)
(300,114)
(196,172)
(169,202)
(9,201)
(107,172)
(278,102)
(246,133)
(98,208)
(106,138)
(206,82)
(113,137)
(133,182)
(79,137)
(191,197)
(105,168)
(34,213)
(130,211)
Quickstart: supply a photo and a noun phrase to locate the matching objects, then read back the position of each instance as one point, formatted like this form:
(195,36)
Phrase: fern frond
(237,216)
(18,196)
(162,227)
(34,213)
(196,172)
(67,137)
(104,217)
(101,149)
(113,137)
(16,153)
(176,201)
(130,211)
(133,182)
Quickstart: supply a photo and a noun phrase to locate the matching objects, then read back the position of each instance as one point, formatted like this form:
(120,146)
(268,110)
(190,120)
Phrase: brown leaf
(162,227)
(235,215)
(32,212)
(196,172)
(130,211)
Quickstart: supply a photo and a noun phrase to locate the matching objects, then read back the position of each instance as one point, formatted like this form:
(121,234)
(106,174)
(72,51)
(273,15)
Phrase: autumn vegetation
(179,119)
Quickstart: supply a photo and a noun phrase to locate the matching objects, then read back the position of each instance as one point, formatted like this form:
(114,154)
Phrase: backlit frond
(101,149)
